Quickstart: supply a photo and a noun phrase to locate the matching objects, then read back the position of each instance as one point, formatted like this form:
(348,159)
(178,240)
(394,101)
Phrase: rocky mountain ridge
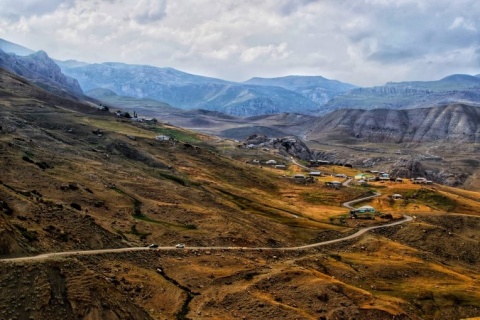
(39,68)
(316,88)
(452,123)
(457,88)
(188,91)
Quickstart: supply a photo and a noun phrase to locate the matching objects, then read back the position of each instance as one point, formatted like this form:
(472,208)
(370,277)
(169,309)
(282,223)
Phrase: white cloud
(460,22)
(366,42)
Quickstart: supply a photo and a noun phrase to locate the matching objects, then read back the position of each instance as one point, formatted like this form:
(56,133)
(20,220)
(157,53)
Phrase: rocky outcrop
(412,168)
(286,146)
(42,71)
(453,123)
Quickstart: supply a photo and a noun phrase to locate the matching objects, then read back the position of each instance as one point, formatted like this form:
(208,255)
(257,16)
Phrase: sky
(363,42)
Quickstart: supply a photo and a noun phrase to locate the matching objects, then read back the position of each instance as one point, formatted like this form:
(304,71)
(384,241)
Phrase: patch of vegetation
(431,198)
(137,205)
(27,234)
(33,193)
(142,235)
(27,159)
(173,178)
(76,206)
(137,213)
(250,275)
(5,208)
(42,165)
(335,257)
(176,134)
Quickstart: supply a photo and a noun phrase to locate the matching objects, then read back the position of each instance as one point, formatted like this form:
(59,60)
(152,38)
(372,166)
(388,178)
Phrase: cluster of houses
(135,118)
(271,162)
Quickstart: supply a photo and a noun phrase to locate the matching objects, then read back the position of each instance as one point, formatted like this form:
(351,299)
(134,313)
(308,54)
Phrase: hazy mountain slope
(414,94)
(10,47)
(189,91)
(142,106)
(41,70)
(315,88)
(67,64)
(456,122)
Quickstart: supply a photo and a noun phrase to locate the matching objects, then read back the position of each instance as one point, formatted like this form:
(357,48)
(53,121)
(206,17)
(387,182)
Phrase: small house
(299,176)
(365,211)
(396,196)
(162,138)
(361,176)
(315,174)
(334,184)
(280,166)
(340,175)
(399,180)
(271,162)
(419,180)
(362,182)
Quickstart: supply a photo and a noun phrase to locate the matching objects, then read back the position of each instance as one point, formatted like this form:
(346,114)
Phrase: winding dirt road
(347,204)
(129,249)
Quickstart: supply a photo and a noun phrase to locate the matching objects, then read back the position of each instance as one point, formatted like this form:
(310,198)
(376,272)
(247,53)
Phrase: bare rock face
(407,168)
(286,146)
(450,123)
(43,71)
(411,168)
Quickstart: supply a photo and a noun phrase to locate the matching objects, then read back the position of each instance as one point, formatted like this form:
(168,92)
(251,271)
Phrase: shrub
(75,206)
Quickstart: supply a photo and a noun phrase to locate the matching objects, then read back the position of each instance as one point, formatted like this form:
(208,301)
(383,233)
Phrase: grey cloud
(13,10)
(393,55)
(148,11)
(290,6)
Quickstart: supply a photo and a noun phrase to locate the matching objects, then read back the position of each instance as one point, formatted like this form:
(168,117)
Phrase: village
(322,176)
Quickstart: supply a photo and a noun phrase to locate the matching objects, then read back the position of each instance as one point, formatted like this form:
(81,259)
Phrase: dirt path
(308,246)
(347,204)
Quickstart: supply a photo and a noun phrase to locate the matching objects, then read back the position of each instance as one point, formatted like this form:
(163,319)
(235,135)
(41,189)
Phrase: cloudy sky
(364,42)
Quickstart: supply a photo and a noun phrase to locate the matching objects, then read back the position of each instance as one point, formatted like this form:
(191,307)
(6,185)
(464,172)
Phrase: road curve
(360,232)
(347,204)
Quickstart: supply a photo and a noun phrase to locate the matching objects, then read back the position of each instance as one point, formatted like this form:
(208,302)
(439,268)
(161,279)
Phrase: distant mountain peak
(460,78)
(41,70)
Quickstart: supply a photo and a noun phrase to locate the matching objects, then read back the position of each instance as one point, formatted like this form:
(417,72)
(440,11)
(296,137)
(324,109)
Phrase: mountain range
(189,91)
(423,111)
(457,88)
(313,95)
